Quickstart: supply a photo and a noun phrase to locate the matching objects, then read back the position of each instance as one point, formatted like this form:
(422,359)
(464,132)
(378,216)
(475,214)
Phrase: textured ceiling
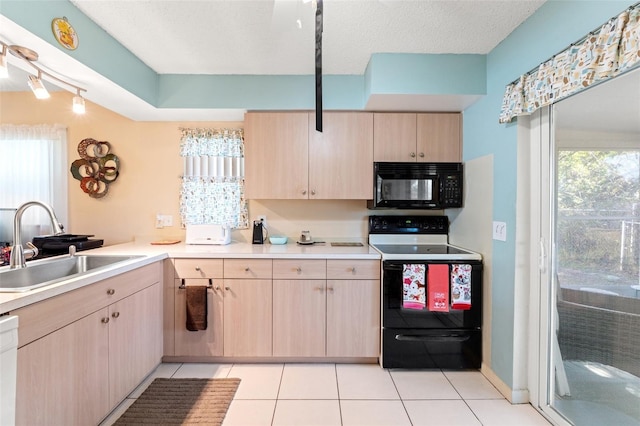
(263,37)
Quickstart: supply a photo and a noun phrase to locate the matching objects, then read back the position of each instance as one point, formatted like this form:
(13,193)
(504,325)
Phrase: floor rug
(181,402)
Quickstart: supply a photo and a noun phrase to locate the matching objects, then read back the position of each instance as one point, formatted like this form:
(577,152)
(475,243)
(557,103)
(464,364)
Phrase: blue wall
(553,27)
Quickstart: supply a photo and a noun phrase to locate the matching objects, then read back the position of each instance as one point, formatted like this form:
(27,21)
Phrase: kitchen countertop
(154,253)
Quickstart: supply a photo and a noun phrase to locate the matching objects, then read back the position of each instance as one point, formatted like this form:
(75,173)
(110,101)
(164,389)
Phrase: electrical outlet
(159,221)
(167,220)
(500,231)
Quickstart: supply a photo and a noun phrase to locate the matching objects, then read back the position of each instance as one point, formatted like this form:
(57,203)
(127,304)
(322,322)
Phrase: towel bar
(183,286)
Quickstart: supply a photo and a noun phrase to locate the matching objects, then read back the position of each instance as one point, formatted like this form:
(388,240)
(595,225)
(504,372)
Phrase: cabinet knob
(115,315)
(353,270)
(247,269)
(330,289)
(105,320)
(304,192)
(298,269)
(111,292)
(320,289)
(217,288)
(198,268)
(227,288)
(313,192)
(422,155)
(412,155)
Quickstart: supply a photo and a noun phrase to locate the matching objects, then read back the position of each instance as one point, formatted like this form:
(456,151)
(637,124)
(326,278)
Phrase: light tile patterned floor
(352,394)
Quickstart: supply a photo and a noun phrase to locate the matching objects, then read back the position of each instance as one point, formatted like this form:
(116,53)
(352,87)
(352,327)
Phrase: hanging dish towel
(196,307)
(461,286)
(413,286)
(438,282)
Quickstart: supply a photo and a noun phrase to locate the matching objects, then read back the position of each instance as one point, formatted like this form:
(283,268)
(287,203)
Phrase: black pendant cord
(319,66)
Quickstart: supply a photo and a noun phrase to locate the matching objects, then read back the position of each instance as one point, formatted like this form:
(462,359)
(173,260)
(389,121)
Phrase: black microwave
(416,185)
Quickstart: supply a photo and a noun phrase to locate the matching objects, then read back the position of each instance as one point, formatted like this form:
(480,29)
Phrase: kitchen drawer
(198,268)
(248,268)
(353,269)
(299,269)
(42,318)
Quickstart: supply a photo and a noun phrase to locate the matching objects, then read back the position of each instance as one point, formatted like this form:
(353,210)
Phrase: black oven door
(397,317)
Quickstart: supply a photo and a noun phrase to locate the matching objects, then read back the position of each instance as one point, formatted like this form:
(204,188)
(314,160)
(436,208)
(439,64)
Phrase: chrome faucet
(18,254)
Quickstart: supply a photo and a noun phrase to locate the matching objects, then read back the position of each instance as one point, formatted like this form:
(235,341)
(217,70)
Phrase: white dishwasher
(8,367)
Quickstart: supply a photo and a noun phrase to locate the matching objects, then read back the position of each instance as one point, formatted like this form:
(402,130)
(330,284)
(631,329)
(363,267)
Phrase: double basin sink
(41,273)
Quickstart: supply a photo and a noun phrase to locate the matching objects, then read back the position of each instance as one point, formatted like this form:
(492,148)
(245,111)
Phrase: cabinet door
(207,342)
(353,318)
(276,151)
(63,377)
(394,137)
(135,340)
(248,318)
(439,137)
(299,318)
(341,156)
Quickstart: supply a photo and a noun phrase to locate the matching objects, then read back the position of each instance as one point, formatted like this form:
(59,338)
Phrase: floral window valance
(611,50)
(213,178)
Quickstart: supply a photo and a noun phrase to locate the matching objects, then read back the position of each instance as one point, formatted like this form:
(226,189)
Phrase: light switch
(500,231)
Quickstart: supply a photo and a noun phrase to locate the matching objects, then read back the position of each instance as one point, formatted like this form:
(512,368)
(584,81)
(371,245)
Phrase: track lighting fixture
(4,71)
(35,83)
(37,87)
(78,104)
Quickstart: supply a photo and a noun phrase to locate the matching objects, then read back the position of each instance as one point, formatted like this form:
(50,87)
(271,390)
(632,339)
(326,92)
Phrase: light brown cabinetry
(203,272)
(82,352)
(248,307)
(421,137)
(299,306)
(334,312)
(286,158)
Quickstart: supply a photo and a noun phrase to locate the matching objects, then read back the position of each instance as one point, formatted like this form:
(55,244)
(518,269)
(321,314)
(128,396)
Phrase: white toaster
(208,234)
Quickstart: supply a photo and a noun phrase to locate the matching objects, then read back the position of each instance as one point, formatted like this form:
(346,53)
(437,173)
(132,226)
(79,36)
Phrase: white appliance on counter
(8,368)
(208,234)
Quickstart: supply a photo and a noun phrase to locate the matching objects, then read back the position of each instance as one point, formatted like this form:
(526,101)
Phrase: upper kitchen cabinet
(286,158)
(276,155)
(341,156)
(421,137)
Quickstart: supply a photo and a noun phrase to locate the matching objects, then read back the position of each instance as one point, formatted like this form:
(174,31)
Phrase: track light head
(36,85)
(78,104)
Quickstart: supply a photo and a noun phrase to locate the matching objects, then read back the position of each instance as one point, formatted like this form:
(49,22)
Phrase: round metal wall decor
(96,168)
(64,33)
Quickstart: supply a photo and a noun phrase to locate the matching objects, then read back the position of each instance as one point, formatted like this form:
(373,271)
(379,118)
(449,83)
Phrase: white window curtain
(33,166)
(213,179)
(609,51)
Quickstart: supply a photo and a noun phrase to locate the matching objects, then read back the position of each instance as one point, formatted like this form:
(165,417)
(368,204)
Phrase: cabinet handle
(412,155)
(111,292)
(304,192)
(422,155)
(105,320)
(115,315)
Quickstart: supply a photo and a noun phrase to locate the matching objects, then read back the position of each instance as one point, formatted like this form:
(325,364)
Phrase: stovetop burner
(423,249)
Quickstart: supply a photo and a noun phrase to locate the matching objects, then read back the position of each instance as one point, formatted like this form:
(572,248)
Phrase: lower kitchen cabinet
(248,315)
(82,352)
(299,309)
(63,377)
(353,318)
(207,342)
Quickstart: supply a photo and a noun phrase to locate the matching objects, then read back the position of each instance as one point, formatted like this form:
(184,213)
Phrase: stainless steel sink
(46,272)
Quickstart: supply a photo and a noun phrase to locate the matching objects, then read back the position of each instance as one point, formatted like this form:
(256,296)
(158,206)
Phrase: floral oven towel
(461,286)
(413,286)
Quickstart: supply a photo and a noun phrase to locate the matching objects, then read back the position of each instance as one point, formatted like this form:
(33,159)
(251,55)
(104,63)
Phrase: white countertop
(153,253)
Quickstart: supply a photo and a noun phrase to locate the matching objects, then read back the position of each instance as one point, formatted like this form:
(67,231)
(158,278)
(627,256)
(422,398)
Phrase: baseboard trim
(519,396)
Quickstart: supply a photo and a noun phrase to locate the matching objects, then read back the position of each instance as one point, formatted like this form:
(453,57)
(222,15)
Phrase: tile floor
(352,394)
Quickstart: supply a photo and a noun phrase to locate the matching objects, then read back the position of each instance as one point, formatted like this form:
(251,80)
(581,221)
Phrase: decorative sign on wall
(95,172)
(64,33)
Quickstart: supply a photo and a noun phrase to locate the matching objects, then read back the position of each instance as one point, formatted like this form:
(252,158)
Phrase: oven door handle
(432,338)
